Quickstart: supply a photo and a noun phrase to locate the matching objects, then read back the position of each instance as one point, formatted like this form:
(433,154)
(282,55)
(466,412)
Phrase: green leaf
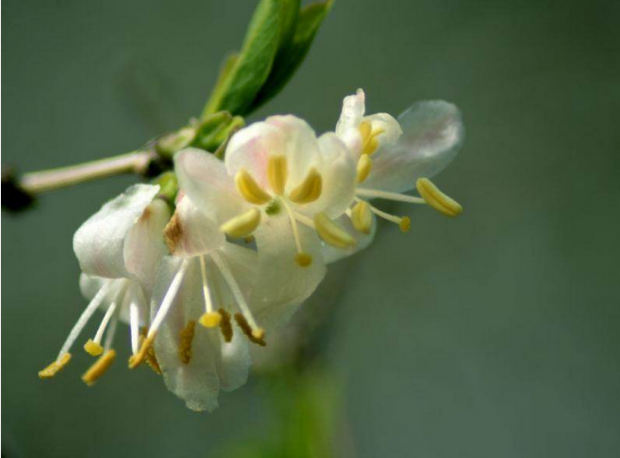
(220,86)
(241,78)
(293,54)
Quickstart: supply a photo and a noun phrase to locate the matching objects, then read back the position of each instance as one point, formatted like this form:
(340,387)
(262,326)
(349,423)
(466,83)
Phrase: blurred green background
(496,334)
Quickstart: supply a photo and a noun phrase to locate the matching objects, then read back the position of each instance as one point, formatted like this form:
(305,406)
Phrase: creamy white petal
(144,243)
(432,135)
(204,179)
(198,382)
(191,232)
(332,254)
(338,170)
(281,284)
(353,107)
(99,243)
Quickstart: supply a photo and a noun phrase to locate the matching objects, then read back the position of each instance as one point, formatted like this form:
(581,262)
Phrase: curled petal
(432,135)
(353,107)
(99,243)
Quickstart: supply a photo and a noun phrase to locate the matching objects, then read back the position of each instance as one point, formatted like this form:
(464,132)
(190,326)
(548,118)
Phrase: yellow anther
(277,173)
(93,348)
(332,233)
(364,166)
(303,259)
(225,325)
(211,319)
(55,367)
(437,199)
(256,336)
(309,190)
(361,216)
(370,142)
(242,225)
(250,189)
(99,368)
(138,358)
(405,224)
(186,339)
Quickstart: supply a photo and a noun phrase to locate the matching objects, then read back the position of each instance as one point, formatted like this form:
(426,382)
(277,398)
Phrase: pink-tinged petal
(250,148)
(338,171)
(432,135)
(287,136)
(281,284)
(144,244)
(100,242)
(353,107)
(204,180)
(191,232)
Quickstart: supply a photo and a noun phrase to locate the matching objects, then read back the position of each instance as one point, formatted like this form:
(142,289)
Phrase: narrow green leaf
(220,85)
(291,56)
(241,79)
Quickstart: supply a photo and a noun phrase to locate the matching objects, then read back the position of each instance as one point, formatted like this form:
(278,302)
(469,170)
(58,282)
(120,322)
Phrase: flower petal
(197,382)
(191,232)
(353,107)
(144,244)
(433,133)
(281,284)
(204,179)
(338,170)
(287,136)
(388,126)
(99,243)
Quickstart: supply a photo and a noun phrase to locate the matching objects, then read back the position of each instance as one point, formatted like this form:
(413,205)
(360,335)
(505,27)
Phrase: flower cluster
(249,239)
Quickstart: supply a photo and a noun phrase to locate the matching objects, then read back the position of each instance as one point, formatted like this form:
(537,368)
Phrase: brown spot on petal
(173,233)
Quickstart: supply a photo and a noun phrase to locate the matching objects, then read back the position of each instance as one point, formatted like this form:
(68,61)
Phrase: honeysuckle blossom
(119,250)
(394,157)
(277,176)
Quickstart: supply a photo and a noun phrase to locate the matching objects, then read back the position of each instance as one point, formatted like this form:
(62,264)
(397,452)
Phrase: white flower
(205,281)
(394,157)
(277,178)
(119,250)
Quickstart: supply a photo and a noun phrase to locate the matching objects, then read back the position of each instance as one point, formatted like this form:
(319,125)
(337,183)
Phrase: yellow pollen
(277,173)
(225,325)
(138,358)
(256,336)
(303,259)
(332,233)
(405,224)
(370,142)
(437,199)
(242,225)
(361,216)
(364,166)
(210,319)
(99,368)
(309,190)
(93,348)
(185,345)
(250,189)
(55,367)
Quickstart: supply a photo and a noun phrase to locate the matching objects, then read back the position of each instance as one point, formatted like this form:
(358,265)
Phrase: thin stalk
(135,162)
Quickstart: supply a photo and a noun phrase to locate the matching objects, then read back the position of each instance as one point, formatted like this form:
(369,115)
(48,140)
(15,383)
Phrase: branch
(20,193)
